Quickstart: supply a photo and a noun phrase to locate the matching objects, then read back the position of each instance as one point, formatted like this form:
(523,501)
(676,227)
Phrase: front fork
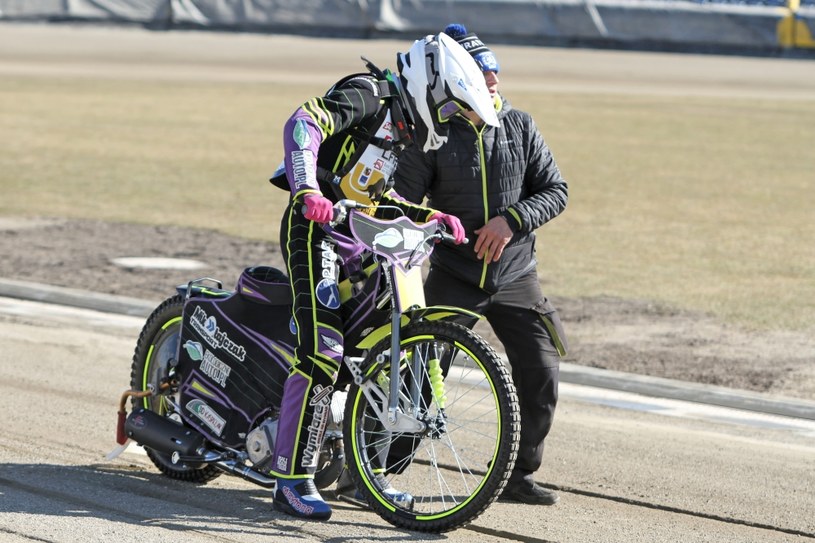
(392,419)
(396,342)
(396,410)
(387,406)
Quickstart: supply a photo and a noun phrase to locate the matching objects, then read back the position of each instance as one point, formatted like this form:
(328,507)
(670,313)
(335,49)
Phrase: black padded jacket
(482,172)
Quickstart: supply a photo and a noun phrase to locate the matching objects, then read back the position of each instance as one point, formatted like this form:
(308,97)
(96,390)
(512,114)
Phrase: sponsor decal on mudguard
(208,416)
(412,238)
(321,400)
(215,369)
(390,238)
(207,326)
(194,350)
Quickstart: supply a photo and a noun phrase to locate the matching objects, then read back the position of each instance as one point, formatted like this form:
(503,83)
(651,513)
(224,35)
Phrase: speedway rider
(345,145)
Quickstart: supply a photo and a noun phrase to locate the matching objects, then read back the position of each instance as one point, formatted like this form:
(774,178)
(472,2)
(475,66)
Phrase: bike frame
(400,247)
(399,355)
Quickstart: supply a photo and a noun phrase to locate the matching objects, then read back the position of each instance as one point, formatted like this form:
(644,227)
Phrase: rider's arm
(414,212)
(547,191)
(414,174)
(318,119)
(412,179)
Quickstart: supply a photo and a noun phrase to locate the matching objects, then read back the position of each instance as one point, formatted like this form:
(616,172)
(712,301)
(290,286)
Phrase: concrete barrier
(678,25)
(661,24)
(129,11)
(332,16)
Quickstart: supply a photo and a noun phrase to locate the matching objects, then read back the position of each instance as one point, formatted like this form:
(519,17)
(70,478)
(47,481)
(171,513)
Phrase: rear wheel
(456,466)
(156,352)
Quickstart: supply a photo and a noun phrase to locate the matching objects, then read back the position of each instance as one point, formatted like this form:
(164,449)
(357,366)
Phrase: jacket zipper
(480,134)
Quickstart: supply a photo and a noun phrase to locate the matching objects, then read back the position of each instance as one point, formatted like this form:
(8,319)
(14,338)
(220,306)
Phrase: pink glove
(453,224)
(318,208)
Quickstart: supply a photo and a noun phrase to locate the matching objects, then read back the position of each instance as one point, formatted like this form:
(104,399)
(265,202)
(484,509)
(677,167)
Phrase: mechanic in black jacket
(503,183)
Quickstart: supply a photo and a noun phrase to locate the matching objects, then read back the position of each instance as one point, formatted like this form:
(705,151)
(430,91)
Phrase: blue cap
(472,44)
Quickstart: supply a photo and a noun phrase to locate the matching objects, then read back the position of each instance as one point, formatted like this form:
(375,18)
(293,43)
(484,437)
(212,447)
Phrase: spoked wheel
(157,347)
(444,475)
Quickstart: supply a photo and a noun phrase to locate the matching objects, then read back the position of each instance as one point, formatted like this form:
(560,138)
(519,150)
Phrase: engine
(260,444)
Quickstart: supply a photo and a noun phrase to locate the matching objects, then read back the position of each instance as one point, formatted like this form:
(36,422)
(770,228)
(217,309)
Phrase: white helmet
(441,79)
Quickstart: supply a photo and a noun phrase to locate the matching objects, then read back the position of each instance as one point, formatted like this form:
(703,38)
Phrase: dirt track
(623,476)
(625,335)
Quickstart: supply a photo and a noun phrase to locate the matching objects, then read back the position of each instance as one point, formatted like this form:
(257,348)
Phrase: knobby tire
(457,467)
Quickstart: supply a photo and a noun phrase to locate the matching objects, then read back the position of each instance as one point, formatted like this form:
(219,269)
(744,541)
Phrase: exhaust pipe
(149,429)
(241,470)
(161,434)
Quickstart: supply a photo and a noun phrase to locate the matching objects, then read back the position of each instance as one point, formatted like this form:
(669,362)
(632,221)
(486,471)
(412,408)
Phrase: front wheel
(447,474)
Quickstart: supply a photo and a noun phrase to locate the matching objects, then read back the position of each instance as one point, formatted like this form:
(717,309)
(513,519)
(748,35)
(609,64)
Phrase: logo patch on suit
(328,294)
(302,137)
(331,344)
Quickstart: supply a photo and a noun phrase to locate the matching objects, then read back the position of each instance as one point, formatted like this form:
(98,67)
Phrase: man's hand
(492,238)
(318,208)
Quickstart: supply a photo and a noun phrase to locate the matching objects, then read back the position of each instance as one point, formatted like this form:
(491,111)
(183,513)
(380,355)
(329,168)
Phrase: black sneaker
(533,494)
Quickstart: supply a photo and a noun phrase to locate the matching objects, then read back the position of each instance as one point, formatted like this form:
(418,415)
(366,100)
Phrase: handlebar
(342,207)
(444,236)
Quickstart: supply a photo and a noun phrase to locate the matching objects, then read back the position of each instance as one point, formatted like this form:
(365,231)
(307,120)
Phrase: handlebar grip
(340,208)
(451,238)
(336,212)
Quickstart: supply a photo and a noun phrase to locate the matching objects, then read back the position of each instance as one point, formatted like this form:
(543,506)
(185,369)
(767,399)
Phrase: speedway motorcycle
(421,403)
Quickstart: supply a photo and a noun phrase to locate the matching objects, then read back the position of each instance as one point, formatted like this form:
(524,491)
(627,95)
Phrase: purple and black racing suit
(324,136)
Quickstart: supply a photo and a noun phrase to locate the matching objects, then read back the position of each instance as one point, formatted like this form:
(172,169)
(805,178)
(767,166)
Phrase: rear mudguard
(197,288)
(431,313)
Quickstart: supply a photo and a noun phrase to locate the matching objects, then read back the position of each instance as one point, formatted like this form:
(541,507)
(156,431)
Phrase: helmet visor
(449,109)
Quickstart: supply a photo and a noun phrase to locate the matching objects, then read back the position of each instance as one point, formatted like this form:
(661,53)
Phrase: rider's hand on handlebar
(453,223)
(318,208)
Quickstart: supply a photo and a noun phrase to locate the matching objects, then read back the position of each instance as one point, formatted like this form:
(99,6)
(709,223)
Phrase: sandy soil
(624,335)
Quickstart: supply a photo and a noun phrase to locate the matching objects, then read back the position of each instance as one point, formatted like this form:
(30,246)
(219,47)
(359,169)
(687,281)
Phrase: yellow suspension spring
(437,382)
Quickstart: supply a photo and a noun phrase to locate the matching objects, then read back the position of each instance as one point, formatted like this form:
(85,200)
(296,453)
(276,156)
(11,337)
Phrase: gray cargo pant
(530,330)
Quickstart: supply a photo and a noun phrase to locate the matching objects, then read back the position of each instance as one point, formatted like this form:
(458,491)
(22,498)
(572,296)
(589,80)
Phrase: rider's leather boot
(300,498)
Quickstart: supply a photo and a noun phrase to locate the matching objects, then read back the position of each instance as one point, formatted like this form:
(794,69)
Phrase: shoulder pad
(365,81)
